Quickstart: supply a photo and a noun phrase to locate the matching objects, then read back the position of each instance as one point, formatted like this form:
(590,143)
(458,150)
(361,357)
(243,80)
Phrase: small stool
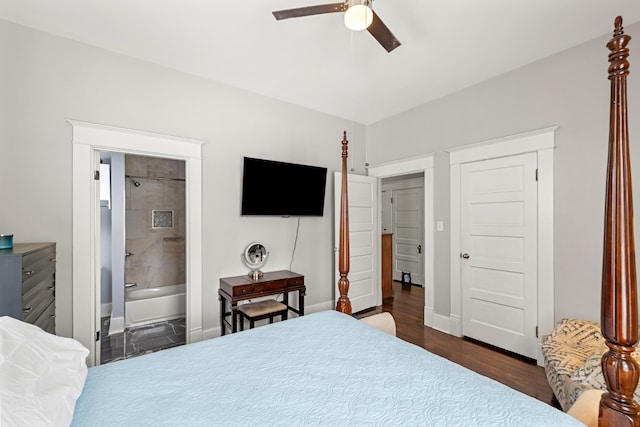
(261,310)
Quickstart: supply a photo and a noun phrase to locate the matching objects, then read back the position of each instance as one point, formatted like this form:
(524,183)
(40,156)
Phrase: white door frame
(422,164)
(542,142)
(87,139)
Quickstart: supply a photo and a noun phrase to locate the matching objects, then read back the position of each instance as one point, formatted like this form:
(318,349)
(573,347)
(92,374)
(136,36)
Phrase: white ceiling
(316,61)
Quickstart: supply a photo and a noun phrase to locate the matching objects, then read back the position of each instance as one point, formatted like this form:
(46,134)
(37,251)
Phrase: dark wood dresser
(241,288)
(387,265)
(28,284)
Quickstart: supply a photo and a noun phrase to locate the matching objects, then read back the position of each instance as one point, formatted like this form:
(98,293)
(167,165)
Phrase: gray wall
(570,90)
(46,79)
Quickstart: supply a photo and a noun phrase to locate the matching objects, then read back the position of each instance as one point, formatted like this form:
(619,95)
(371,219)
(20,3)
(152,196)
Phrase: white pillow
(41,375)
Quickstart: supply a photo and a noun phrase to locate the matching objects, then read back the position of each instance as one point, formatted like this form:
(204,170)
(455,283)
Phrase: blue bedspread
(321,369)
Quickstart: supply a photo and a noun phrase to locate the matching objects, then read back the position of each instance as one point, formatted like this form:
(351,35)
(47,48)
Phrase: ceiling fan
(358,15)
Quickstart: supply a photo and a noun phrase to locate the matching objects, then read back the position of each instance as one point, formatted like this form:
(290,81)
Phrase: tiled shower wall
(158,253)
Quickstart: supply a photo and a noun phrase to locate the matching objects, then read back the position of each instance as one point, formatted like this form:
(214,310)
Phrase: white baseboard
(196,335)
(105,310)
(308,309)
(441,323)
(448,325)
(455,325)
(429,316)
(116,326)
(207,334)
(539,355)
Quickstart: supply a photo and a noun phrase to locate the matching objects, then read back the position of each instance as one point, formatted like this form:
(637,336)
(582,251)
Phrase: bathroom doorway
(88,140)
(143,254)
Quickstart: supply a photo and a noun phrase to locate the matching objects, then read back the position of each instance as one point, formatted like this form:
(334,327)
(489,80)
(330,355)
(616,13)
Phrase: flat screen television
(282,189)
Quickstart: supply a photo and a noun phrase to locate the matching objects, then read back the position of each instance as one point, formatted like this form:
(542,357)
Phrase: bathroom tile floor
(140,340)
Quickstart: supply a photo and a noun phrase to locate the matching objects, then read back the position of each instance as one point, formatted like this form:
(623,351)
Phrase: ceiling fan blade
(309,10)
(380,32)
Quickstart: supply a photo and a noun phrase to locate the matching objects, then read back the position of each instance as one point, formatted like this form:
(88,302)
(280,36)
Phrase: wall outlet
(440,226)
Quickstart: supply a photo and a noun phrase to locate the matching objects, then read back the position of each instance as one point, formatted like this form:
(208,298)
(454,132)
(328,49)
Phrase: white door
(499,252)
(408,233)
(363,237)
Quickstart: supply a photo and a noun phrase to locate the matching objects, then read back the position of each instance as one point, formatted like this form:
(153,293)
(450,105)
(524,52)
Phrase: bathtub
(144,306)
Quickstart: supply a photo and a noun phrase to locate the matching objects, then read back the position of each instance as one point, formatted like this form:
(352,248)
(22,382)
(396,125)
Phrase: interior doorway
(402,168)
(402,204)
(142,256)
(88,140)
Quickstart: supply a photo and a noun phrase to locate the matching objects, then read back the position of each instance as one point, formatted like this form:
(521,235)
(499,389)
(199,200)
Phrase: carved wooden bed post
(343,304)
(619,304)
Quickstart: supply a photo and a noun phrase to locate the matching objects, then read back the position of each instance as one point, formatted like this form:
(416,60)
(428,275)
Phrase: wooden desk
(240,288)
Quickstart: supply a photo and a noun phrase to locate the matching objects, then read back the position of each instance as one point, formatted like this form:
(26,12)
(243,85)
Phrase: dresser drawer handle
(52,259)
(53,316)
(29,273)
(52,287)
(27,310)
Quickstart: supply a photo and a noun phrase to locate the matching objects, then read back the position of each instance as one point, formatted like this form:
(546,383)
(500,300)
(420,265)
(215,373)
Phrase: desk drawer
(259,287)
(296,281)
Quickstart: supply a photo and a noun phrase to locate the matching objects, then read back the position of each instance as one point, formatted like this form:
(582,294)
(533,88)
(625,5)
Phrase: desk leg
(285,301)
(301,302)
(234,317)
(222,311)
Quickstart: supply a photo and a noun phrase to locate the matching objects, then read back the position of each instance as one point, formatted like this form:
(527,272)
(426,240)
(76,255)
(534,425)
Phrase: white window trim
(542,142)
(88,139)
(425,165)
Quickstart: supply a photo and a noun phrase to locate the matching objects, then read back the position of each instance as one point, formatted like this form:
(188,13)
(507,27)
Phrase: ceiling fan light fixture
(359,15)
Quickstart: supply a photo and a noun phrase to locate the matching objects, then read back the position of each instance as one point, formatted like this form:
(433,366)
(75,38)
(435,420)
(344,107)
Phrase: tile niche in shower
(161,219)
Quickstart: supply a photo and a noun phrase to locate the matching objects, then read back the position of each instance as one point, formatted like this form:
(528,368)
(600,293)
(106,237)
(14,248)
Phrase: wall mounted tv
(282,189)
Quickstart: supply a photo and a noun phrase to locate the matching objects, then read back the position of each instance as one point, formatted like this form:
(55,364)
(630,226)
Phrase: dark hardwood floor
(515,371)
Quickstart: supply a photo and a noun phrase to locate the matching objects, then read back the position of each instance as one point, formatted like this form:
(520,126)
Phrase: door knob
(465,255)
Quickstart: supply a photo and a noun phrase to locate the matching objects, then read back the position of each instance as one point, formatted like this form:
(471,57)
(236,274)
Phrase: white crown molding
(113,138)
(525,142)
(402,167)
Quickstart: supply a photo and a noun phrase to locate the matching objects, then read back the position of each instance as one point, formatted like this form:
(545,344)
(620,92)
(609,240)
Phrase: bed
(619,302)
(326,368)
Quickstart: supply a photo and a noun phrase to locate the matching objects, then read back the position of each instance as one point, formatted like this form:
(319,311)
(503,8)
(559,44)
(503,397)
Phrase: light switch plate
(440,226)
